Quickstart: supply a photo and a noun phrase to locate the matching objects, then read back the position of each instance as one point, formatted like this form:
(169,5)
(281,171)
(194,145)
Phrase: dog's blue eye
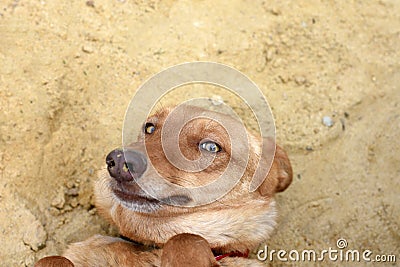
(210,147)
(149,128)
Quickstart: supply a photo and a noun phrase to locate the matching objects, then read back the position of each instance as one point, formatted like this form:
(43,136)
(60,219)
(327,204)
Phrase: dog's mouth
(133,197)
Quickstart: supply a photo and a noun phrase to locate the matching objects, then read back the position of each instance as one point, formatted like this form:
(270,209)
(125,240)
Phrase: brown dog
(190,235)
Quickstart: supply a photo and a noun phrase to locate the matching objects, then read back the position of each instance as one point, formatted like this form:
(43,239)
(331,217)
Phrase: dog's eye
(210,147)
(149,128)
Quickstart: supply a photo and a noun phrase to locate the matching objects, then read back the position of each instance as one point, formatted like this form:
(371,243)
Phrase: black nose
(125,166)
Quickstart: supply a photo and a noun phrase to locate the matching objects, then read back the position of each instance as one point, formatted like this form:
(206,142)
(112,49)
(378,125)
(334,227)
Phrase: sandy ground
(69,69)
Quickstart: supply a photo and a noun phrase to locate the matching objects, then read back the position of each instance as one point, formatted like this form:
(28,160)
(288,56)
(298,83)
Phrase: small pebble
(327,121)
(87,49)
(300,80)
(309,148)
(90,3)
(59,200)
(314,204)
(275,11)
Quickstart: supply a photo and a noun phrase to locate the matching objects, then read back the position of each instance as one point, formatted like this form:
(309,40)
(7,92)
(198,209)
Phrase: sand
(69,69)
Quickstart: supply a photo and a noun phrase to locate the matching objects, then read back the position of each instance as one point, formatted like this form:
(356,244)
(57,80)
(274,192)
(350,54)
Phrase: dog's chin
(136,203)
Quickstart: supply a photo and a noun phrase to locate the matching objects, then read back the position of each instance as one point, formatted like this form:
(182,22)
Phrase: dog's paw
(54,261)
(187,250)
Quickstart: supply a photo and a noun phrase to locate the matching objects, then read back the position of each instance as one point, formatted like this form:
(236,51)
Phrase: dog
(155,232)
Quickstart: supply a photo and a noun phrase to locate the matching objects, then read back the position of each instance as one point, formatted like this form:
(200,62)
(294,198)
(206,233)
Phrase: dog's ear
(280,174)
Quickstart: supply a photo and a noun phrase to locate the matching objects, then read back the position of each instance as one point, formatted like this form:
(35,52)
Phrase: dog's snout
(126,165)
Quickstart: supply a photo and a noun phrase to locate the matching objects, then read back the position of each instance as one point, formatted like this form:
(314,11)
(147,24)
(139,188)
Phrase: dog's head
(239,219)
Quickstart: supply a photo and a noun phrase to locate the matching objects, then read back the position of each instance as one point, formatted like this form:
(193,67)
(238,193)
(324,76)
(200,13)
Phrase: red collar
(233,254)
